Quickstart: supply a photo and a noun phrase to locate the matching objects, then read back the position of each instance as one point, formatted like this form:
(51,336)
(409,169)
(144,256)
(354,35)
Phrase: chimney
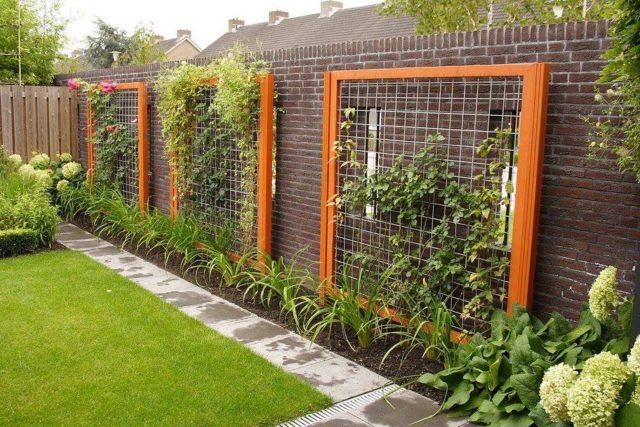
(184,33)
(234,24)
(329,7)
(276,16)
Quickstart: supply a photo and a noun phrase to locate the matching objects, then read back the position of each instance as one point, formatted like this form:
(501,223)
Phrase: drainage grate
(344,406)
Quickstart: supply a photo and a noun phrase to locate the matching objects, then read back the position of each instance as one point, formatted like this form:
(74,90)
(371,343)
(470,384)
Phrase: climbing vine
(468,230)
(112,139)
(235,105)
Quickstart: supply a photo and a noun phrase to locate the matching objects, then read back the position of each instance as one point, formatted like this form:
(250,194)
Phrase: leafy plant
(277,279)
(25,203)
(427,330)
(495,380)
(355,305)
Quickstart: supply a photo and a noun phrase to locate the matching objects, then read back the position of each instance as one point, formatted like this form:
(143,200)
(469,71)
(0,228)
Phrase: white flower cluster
(65,157)
(592,403)
(43,177)
(26,171)
(40,161)
(15,160)
(553,391)
(590,400)
(603,295)
(62,185)
(71,170)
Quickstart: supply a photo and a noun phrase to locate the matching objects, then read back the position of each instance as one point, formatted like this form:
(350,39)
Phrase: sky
(207,20)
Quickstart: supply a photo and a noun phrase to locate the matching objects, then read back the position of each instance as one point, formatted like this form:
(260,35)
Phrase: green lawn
(81,345)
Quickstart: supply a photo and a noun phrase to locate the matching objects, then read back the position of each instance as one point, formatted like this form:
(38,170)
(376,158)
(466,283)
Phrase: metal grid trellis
(393,112)
(131,165)
(215,192)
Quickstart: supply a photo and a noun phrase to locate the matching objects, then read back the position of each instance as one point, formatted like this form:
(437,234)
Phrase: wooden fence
(39,118)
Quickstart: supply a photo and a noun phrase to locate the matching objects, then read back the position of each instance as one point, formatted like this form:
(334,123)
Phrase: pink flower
(111,128)
(108,86)
(73,84)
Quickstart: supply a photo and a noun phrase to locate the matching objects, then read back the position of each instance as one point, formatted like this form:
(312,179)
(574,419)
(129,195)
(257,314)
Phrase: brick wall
(590,212)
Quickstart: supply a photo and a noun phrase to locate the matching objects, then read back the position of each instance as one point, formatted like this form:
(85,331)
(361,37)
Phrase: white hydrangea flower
(62,185)
(633,361)
(65,157)
(15,160)
(606,367)
(40,161)
(553,391)
(591,402)
(603,295)
(26,171)
(71,170)
(635,397)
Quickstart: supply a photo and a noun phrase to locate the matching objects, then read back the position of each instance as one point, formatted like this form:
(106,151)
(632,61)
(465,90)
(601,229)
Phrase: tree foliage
(41,38)
(135,49)
(619,130)
(437,16)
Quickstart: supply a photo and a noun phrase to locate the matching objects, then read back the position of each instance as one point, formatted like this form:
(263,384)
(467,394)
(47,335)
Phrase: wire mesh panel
(226,184)
(118,143)
(448,130)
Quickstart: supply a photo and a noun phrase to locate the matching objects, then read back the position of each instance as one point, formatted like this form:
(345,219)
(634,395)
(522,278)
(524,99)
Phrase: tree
(38,35)
(438,16)
(142,48)
(106,40)
(139,48)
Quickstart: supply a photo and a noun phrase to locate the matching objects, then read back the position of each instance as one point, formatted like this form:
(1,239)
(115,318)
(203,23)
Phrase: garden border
(265,164)
(143,141)
(530,161)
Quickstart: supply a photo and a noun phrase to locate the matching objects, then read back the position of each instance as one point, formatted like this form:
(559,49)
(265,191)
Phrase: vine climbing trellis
(117,139)
(435,173)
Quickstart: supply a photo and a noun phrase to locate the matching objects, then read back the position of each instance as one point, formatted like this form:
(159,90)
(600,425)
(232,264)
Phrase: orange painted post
(90,158)
(530,162)
(326,155)
(173,194)
(265,171)
(528,186)
(143,148)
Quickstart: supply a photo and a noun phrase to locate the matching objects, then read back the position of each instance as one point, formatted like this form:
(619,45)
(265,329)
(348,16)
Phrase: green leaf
(461,395)
(628,415)
(433,380)
(527,386)
(577,333)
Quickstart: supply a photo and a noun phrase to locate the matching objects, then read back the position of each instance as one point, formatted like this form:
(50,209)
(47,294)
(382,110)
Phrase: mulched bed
(403,372)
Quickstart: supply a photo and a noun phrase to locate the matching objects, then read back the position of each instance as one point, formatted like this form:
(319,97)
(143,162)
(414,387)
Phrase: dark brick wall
(590,212)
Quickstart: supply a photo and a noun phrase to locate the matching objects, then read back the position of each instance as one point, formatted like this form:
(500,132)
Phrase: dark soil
(404,372)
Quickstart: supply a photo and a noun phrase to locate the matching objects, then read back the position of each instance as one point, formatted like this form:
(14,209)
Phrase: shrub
(25,204)
(17,241)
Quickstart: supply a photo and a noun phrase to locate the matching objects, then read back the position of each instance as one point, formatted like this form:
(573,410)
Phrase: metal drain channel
(344,406)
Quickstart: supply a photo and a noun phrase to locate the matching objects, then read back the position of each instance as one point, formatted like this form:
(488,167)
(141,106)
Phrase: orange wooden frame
(143,141)
(530,160)
(265,162)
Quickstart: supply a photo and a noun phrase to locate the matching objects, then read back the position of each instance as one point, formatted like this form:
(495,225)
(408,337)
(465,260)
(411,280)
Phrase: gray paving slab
(217,312)
(340,378)
(291,351)
(250,330)
(404,408)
